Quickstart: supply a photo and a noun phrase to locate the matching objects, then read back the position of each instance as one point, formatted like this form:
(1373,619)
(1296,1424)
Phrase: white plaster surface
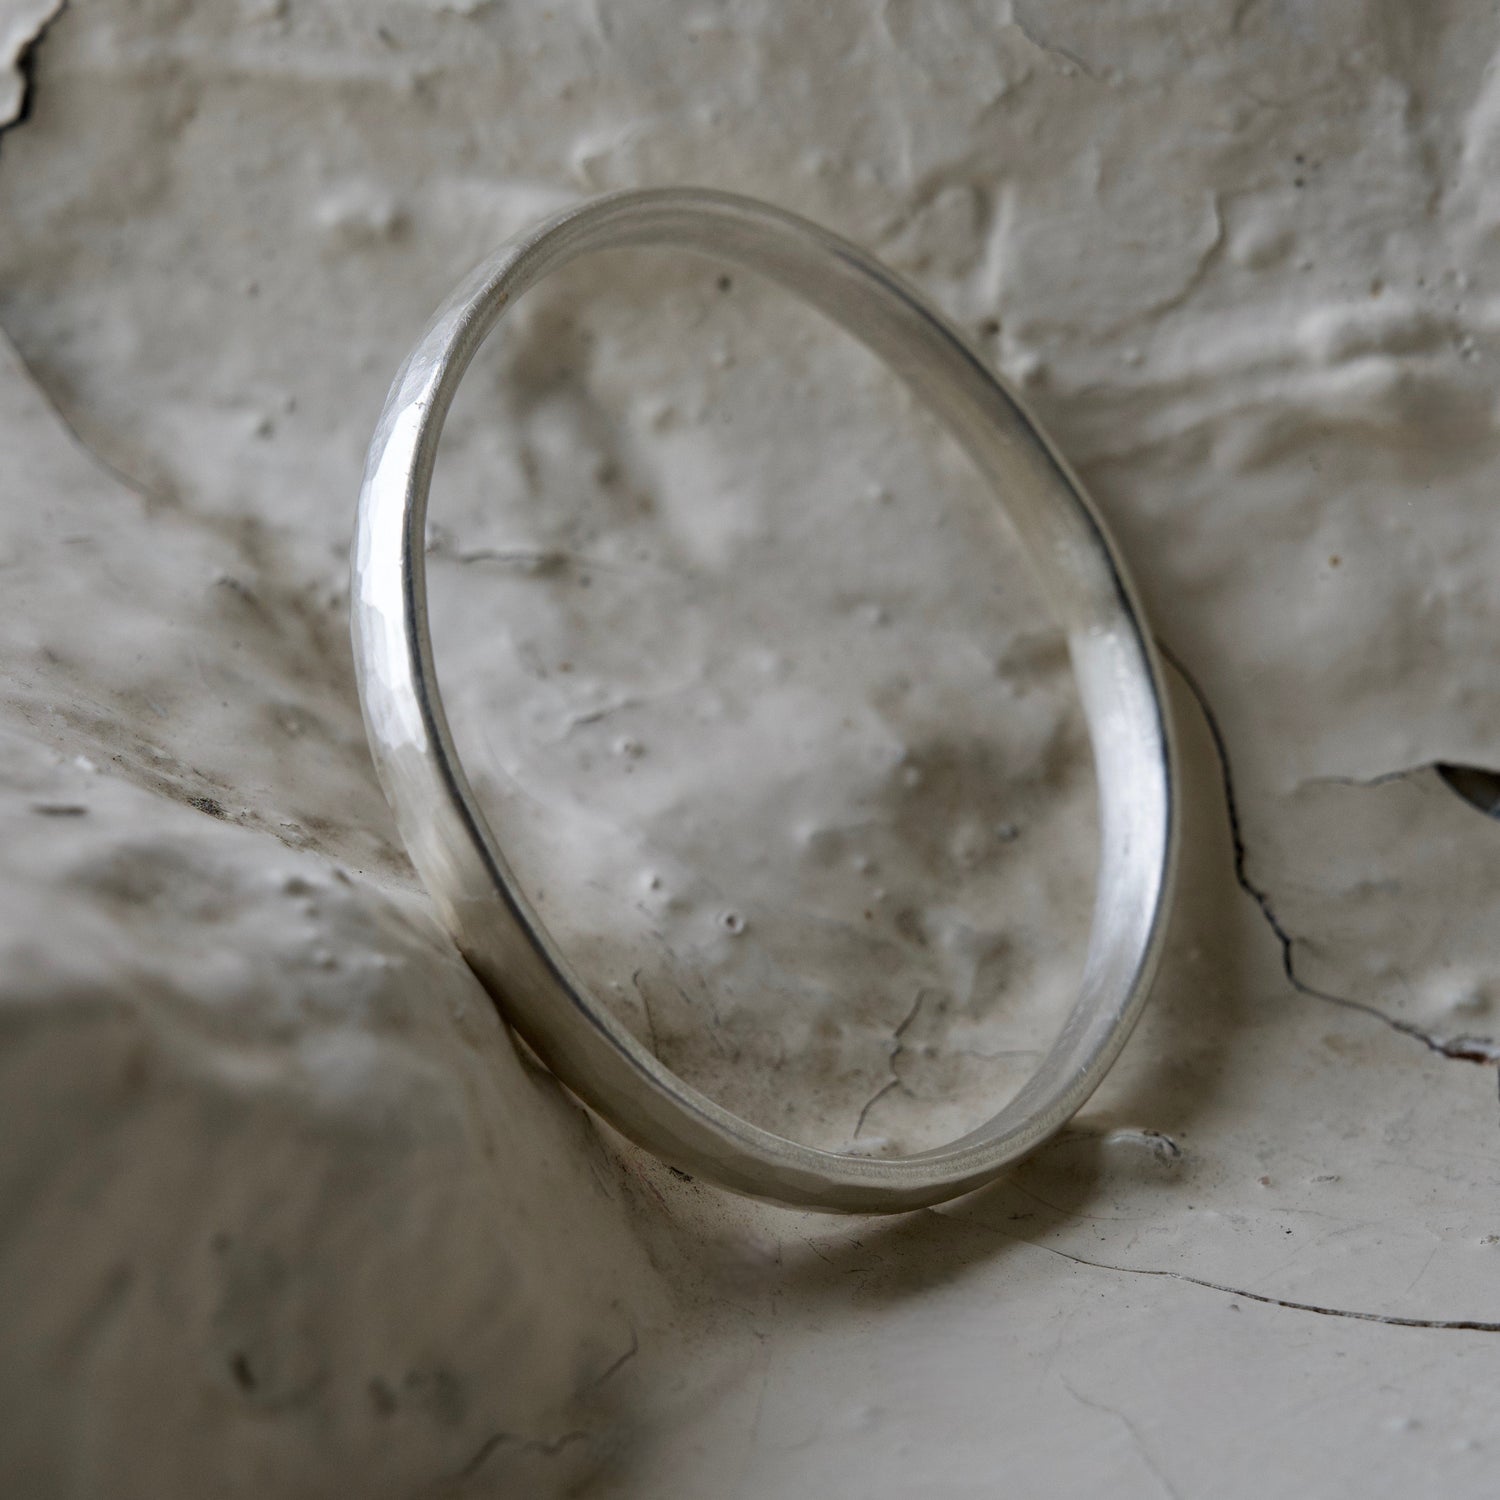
(758,687)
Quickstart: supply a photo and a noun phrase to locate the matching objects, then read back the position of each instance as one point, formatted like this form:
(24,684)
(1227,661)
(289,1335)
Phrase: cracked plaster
(739,656)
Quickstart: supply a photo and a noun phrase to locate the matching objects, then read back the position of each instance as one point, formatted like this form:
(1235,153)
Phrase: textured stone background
(740,656)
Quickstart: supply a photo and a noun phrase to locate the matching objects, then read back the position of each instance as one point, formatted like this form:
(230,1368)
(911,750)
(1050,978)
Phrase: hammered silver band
(458,856)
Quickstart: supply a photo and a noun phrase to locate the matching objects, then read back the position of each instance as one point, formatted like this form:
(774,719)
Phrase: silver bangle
(456,853)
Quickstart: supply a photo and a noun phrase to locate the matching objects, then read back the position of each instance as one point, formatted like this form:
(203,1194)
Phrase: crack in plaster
(619,1363)
(1465,1048)
(547,1447)
(1028,31)
(1358,1315)
(896,1048)
(1479,786)
(1131,1431)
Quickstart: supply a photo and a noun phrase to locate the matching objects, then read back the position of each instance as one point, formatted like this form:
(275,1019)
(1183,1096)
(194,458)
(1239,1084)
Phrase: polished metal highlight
(458,856)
